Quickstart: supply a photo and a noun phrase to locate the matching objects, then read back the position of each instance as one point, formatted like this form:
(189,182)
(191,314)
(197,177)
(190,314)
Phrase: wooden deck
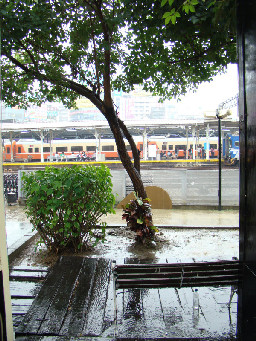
(76,301)
(25,284)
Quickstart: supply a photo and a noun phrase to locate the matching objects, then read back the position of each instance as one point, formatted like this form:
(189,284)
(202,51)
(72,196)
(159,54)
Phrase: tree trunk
(122,151)
(135,152)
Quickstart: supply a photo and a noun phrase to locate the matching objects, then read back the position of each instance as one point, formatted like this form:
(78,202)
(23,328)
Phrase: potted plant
(138,216)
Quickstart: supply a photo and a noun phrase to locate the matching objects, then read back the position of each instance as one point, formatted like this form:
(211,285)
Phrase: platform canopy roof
(89,129)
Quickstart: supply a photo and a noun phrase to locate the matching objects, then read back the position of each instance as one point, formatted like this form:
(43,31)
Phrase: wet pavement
(185,236)
(177,217)
(216,238)
(18,229)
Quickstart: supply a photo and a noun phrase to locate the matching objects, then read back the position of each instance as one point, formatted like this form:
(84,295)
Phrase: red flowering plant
(138,216)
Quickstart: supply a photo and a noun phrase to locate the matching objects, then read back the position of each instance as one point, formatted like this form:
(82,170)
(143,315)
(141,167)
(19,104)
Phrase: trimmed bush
(64,205)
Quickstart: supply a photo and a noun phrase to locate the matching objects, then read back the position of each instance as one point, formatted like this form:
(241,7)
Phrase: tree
(222,13)
(60,50)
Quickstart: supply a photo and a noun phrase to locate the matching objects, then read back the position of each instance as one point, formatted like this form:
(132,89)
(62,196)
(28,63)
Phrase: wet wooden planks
(74,292)
(169,313)
(156,311)
(177,275)
(76,302)
(25,283)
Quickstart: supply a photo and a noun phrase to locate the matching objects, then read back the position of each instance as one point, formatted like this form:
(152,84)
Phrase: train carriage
(167,148)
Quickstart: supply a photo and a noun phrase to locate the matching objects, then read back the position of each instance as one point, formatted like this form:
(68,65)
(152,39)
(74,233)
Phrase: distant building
(137,105)
(13,114)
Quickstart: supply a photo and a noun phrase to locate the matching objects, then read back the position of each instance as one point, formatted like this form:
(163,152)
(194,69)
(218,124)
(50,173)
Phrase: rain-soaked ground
(217,237)
(165,312)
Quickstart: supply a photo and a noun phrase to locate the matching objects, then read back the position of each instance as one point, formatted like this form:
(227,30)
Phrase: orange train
(167,148)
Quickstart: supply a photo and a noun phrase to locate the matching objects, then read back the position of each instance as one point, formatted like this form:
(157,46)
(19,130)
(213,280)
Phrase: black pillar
(247,112)
(220,148)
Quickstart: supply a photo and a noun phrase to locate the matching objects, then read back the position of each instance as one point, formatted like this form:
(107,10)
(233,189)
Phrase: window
(8,150)
(164,147)
(179,147)
(61,149)
(75,149)
(19,149)
(128,147)
(30,150)
(197,146)
(236,143)
(46,149)
(91,148)
(37,150)
(109,148)
(170,147)
(214,146)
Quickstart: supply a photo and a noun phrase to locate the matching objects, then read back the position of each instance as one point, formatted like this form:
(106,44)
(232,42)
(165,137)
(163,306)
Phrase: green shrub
(65,204)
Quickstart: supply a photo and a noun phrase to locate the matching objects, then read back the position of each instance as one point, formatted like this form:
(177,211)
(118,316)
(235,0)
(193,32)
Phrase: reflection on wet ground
(18,227)
(163,312)
(178,246)
(170,313)
(185,245)
(186,217)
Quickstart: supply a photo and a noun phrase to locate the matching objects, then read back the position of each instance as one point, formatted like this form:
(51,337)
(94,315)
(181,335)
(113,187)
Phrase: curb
(15,251)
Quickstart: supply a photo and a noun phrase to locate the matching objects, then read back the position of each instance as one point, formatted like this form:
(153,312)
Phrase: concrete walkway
(177,217)
(18,229)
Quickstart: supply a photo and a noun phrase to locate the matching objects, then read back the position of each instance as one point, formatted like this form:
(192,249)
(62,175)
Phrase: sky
(211,94)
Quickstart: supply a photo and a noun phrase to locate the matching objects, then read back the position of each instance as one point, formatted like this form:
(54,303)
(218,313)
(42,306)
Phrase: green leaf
(192,8)
(173,19)
(154,228)
(49,191)
(163,2)
(166,14)
(140,202)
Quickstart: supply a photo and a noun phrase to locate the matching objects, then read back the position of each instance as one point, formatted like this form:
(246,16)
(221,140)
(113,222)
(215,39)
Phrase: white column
(51,137)
(145,145)
(98,145)
(4,261)
(194,142)
(11,141)
(197,142)
(207,142)
(187,142)
(42,145)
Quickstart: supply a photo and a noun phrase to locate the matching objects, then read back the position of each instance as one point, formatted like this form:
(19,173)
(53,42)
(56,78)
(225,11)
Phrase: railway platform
(10,167)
